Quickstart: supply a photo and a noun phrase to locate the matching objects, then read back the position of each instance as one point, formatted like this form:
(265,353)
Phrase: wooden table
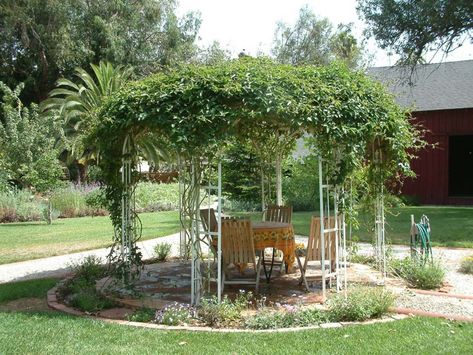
(276,235)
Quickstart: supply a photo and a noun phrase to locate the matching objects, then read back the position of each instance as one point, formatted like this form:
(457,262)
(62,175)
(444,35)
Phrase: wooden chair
(238,248)
(209,220)
(275,213)
(314,249)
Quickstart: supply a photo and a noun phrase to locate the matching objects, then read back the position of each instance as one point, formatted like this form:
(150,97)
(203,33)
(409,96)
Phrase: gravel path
(457,283)
(57,266)
(436,304)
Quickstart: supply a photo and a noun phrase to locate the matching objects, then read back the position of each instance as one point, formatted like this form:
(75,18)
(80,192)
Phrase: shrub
(89,300)
(80,291)
(175,314)
(151,197)
(78,201)
(19,206)
(419,274)
(466,265)
(300,183)
(360,304)
(213,313)
(69,201)
(144,315)
(96,200)
(290,317)
(241,206)
(162,251)
(89,269)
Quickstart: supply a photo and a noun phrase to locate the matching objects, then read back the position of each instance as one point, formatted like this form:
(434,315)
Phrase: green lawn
(56,333)
(52,333)
(451,226)
(31,240)
(26,289)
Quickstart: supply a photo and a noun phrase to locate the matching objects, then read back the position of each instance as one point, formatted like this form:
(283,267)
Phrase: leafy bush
(466,265)
(419,274)
(290,317)
(239,206)
(144,315)
(162,251)
(151,197)
(80,291)
(69,202)
(27,143)
(96,200)
(360,304)
(300,184)
(89,269)
(175,314)
(89,300)
(213,313)
(86,273)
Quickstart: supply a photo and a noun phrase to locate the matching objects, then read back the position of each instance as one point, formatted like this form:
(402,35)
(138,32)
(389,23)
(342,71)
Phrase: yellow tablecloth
(276,235)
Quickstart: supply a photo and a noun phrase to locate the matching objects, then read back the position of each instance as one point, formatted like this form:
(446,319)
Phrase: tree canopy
(41,41)
(312,40)
(412,28)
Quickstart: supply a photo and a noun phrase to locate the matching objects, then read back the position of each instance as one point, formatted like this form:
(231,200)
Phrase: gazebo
(361,137)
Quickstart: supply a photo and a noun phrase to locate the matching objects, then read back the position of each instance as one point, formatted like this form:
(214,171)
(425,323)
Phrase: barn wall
(431,167)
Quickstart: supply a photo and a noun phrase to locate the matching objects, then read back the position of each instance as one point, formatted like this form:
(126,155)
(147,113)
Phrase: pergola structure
(191,112)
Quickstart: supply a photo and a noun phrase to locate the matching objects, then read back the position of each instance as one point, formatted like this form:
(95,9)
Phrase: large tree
(42,40)
(413,28)
(312,40)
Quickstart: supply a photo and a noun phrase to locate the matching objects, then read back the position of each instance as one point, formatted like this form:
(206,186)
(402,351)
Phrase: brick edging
(441,294)
(421,313)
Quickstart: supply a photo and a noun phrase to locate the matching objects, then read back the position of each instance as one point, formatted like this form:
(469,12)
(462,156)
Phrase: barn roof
(441,86)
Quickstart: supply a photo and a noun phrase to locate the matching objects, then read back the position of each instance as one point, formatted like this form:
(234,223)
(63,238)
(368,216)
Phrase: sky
(250,24)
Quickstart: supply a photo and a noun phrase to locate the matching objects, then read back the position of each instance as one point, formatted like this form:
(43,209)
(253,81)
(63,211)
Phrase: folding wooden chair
(208,219)
(275,213)
(314,250)
(238,248)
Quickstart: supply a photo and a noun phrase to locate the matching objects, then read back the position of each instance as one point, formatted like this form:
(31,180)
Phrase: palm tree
(79,104)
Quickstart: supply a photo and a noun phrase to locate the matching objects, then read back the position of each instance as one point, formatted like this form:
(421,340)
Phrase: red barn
(441,98)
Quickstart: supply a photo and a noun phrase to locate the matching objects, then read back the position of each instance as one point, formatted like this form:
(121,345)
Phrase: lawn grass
(57,333)
(451,226)
(31,240)
(48,333)
(26,289)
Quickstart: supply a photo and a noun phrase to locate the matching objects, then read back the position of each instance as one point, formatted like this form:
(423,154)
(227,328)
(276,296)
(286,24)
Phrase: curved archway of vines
(195,110)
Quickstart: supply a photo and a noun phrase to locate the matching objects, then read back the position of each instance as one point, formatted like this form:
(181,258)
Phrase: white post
(322,230)
(337,238)
(192,235)
(219,231)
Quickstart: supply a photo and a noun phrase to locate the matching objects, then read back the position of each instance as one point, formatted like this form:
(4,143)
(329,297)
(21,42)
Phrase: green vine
(192,108)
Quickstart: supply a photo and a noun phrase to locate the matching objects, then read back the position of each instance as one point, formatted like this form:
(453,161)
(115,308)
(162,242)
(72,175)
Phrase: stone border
(56,305)
(418,312)
(441,294)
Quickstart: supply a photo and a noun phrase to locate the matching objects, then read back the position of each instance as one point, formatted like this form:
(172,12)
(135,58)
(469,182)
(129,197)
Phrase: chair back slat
(237,241)
(208,219)
(314,245)
(276,213)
